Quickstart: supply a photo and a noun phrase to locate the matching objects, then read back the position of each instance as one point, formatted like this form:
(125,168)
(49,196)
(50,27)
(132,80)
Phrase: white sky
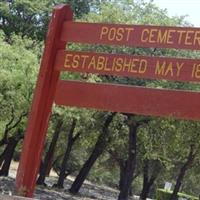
(182,7)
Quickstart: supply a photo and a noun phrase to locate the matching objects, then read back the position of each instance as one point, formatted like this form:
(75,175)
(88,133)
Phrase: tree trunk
(97,151)
(148,180)
(145,188)
(182,173)
(9,152)
(70,143)
(2,157)
(49,155)
(49,166)
(145,191)
(122,174)
(122,166)
(130,164)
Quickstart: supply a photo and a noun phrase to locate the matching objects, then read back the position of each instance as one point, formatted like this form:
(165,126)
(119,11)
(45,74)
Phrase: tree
(45,165)
(99,148)
(149,179)
(7,155)
(70,142)
(189,143)
(30,18)
(17,80)
(129,165)
(154,140)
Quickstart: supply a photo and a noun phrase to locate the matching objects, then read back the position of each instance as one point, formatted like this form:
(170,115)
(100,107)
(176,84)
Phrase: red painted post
(41,105)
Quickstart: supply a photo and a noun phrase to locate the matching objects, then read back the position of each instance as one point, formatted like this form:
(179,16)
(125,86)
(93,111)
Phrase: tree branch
(70,136)
(76,136)
(9,127)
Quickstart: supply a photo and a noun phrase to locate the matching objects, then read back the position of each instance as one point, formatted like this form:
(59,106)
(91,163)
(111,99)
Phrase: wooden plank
(132,35)
(129,65)
(129,99)
(41,105)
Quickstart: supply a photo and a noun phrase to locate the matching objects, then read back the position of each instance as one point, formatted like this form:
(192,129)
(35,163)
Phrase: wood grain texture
(129,99)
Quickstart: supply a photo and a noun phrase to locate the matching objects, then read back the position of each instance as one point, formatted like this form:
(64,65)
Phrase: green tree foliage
(18,65)
(30,18)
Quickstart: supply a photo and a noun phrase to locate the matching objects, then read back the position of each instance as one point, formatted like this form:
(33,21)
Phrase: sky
(182,7)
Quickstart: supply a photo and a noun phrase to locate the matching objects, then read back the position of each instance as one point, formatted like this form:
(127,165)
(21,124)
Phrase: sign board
(139,100)
(132,35)
(168,186)
(129,65)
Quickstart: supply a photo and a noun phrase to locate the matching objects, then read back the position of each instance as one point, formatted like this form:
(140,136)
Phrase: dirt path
(88,191)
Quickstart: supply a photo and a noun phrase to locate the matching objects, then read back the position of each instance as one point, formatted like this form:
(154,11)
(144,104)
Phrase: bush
(162,194)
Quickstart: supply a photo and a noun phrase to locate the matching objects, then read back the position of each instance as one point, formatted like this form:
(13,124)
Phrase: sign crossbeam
(132,35)
(187,70)
(129,99)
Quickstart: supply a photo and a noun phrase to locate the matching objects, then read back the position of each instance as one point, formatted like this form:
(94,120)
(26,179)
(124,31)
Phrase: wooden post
(41,105)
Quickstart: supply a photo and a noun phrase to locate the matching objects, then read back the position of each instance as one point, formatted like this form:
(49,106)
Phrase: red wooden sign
(41,105)
(110,97)
(132,35)
(129,99)
(130,66)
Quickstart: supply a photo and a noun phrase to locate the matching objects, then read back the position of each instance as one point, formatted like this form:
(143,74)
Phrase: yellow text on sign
(168,68)
(116,34)
(196,71)
(105,63)
(170,36)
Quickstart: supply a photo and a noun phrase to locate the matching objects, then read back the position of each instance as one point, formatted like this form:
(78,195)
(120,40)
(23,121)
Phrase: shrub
(162,194)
